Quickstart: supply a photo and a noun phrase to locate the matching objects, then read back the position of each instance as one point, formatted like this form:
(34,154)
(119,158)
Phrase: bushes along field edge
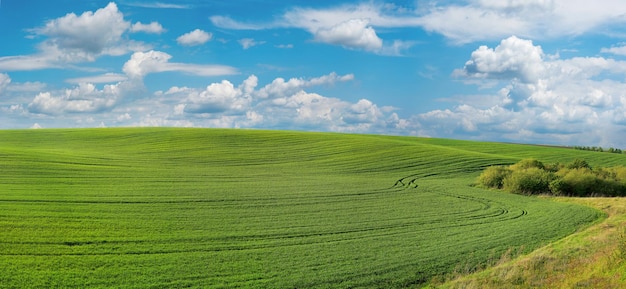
(578,178)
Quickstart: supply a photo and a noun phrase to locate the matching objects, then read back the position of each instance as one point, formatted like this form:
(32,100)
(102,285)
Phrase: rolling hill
(213,208)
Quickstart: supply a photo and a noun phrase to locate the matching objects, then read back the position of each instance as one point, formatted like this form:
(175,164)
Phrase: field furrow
(141,208)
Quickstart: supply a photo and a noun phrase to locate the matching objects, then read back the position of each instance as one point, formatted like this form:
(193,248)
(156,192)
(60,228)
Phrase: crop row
(224,208)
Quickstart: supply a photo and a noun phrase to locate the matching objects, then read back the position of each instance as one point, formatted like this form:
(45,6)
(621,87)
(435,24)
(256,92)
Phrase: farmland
(164,207)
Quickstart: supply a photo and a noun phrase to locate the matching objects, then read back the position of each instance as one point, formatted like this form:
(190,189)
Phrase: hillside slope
(167,207)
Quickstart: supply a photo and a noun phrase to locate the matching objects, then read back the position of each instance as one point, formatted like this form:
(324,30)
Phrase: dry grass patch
(592,258)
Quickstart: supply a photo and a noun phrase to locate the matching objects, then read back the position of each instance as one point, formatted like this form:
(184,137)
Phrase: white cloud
(158,5)
(617,50)
(249,42)
(142,63)
(248,85)
(350,26)
(282,104)
(124,117)
(28,62)
(218,98)
(311,111)
(81,99)
(539,19)
(364,111)
(464,22)
(193,38)
(155,121)
(278,104)
(514,58)
(103,78)
(354,33)
(73,32)
(153,28)
(377,15)
(77,38)
(572,101)
(280,88)
(227,22)
(5,80)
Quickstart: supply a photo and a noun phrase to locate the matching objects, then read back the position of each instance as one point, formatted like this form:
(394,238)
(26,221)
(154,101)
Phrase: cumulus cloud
(362,112)
(75,32)
(194,38)
(5,80)
(142,63)
(541,99)
(514,58)
(77,38)
(350,26)
(354,33)
(81,99)
(279,87)
(218,98)
(153,28)
(305,110)
(282,104)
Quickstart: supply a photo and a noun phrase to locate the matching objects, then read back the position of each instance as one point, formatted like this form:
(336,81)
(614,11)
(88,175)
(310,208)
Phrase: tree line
(578,178)
(598,149)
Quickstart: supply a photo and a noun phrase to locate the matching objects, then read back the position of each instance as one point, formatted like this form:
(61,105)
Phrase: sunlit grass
(591,258)
(235,208)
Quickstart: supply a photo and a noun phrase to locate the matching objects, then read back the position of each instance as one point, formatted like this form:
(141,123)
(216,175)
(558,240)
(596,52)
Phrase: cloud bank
(538,98)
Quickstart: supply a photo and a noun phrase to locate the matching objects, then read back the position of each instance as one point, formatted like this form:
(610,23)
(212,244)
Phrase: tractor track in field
(411,182)
(488,212)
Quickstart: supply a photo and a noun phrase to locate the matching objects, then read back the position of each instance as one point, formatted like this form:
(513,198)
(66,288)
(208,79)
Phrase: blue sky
(529,71)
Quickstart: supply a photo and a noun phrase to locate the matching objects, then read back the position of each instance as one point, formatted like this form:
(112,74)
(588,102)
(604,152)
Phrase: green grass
(592,258)
(155,208)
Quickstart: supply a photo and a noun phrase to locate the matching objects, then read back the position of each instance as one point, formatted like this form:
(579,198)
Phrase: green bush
(580,182)
(559,187)
(530,181)
(554,167)
(578,179)
(579,164)
(527,164)
(493,177)
(620,174)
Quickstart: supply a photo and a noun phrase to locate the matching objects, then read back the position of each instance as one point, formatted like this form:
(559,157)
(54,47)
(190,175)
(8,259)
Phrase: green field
(208,208)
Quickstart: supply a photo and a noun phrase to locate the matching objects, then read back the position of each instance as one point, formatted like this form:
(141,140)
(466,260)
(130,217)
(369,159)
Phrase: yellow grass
(592,258)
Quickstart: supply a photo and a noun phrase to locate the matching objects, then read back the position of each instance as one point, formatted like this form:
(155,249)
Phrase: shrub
(576,179)
(554,167)
(527,164)
(581,182)
(559,187)
(620,173)
(579,164)
(493,177)
(530,181)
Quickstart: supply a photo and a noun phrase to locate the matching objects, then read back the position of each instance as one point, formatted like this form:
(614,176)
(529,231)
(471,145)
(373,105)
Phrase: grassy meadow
(212,208)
